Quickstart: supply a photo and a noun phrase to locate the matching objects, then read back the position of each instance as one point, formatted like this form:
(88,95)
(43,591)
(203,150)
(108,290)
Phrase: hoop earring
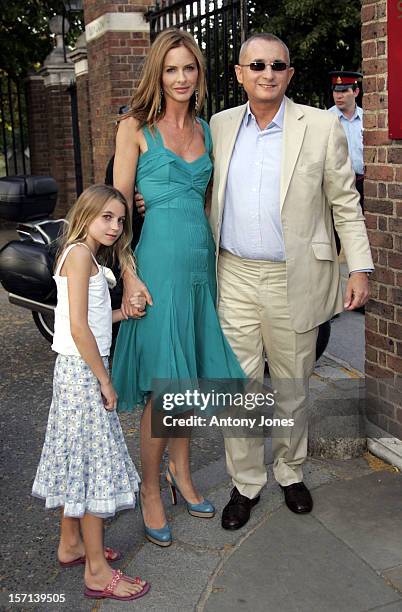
(196,100)
(160,101)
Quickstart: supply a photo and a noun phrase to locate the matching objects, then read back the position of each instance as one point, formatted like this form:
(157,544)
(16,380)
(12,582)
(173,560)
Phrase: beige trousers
(254,315)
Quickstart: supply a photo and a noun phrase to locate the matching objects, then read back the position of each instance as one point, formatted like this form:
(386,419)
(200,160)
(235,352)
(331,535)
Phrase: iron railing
(14,151)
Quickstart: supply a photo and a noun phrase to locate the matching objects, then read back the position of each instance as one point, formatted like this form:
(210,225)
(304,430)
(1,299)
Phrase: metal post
(208,53)
(235,87)
(21,124)
(10,107)
(216,58)
(3,126)
(243,20)
(225,8)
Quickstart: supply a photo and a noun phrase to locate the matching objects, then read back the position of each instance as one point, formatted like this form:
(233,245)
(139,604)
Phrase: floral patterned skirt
(85,465)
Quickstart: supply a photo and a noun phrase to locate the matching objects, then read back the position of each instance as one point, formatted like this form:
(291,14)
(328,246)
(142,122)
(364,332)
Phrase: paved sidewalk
(346,556)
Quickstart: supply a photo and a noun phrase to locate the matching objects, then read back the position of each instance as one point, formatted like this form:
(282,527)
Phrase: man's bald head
(262,36)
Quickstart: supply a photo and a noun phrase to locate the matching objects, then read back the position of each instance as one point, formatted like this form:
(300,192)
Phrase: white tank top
(99,311)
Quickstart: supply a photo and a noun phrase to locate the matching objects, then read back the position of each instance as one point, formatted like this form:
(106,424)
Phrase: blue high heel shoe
(202,510)
(160,537)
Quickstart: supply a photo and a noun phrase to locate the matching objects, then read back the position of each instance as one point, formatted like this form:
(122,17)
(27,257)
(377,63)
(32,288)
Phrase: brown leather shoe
(237,512)
(298,498)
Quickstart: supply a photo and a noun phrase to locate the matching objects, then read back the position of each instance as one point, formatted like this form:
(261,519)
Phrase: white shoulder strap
(66,252)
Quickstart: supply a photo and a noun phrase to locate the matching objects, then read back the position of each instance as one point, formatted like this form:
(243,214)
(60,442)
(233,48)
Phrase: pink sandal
(109,556)
(108,593)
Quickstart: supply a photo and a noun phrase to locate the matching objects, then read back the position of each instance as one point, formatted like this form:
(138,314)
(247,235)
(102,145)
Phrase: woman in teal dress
(166,150)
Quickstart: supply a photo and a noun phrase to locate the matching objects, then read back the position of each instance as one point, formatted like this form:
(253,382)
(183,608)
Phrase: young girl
(85,466)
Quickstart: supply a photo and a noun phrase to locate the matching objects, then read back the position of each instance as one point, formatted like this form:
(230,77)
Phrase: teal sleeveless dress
(180,337)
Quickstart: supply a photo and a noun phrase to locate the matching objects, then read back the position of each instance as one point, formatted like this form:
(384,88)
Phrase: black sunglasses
(276,66)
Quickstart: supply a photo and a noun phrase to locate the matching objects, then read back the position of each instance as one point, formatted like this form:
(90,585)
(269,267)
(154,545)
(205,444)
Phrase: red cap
(342,79)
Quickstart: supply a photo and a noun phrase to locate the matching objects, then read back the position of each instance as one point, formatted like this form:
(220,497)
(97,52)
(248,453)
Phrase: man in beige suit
(280,168)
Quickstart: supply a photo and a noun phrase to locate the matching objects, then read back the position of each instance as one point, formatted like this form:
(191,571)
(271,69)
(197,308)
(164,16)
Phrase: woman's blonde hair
(147,105)
(89,206)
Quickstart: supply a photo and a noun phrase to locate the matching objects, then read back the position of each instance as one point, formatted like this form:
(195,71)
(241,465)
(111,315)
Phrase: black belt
(359,177)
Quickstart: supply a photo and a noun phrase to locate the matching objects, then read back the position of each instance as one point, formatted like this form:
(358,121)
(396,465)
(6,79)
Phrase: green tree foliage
(25,38)
(322,35)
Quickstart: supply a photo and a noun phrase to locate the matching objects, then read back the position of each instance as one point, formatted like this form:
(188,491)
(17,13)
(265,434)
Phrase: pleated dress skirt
(85,466)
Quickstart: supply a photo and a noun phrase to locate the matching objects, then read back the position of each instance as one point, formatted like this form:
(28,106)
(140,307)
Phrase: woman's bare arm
(126,158)
(124,171)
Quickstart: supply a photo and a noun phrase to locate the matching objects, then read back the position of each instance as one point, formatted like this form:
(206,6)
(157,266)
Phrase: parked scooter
(27,264)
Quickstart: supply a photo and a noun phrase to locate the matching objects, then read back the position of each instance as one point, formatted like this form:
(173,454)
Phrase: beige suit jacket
(316,176)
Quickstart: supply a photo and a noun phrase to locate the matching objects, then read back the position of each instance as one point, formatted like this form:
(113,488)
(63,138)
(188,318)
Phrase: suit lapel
(293,134)
(231,128)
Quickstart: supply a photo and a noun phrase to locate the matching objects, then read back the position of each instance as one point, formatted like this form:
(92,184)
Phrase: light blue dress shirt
(251,225)
(354,133)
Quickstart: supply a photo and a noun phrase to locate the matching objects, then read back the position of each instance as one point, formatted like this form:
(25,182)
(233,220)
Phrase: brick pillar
(79,57)
(50,120)
(57,80)
(383,205)
(37,125)
(117,41)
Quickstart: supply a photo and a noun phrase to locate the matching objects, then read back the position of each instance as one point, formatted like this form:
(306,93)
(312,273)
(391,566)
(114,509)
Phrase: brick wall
(60,138)
(383,205)
(84,121)
(37,126)
(51,139)
(95,8)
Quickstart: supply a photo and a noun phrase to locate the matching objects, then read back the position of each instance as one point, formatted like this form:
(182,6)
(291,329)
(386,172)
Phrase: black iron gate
(219,27)
(14,151)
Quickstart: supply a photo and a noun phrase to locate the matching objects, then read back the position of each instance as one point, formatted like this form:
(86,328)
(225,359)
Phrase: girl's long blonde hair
(89,206)
(147,105)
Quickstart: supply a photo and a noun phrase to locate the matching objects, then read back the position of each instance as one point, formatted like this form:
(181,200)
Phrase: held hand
(138,301)
(109,395)
(357,291)
(139,203)
(135,297)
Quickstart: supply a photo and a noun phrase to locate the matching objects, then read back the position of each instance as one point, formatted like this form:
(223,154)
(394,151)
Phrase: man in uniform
(345,89)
